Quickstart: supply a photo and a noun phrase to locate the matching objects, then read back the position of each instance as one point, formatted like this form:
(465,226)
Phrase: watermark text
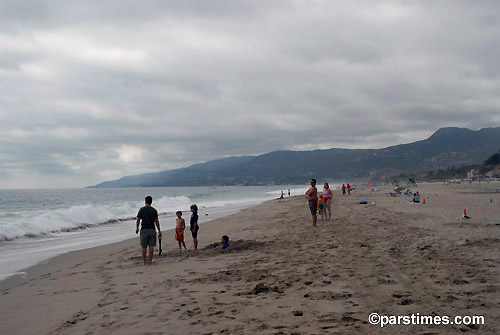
(417,319)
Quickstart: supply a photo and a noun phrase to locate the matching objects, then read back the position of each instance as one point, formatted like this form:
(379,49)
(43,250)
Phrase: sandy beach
(282,276)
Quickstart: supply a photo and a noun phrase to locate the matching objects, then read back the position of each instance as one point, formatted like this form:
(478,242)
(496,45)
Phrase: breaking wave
(80,217)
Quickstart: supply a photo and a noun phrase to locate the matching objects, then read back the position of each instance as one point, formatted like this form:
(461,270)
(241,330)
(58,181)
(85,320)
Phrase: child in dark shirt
(193,225)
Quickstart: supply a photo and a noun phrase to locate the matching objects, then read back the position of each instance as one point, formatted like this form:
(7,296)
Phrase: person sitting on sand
(149,217)
(321,207)
(225,242)
(179,230)
(193,225)
(416,198)
(312,198)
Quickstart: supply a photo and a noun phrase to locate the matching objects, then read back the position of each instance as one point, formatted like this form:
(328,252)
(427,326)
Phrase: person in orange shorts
(179,230)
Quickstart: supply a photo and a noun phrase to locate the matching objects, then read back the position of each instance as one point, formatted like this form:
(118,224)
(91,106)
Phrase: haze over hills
(447,147)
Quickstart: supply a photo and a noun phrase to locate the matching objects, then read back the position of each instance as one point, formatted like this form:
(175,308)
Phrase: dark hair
(149,200)
(225,238)
(178,212)
(313,180)
(327,186)
(193,206)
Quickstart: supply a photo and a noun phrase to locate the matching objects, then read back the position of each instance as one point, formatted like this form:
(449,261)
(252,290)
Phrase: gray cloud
(94,90)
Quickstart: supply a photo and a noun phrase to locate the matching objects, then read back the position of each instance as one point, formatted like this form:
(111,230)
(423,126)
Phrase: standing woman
(327,196)
(193,225)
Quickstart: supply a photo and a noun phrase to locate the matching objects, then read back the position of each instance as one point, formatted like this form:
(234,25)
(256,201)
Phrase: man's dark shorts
(313,205)
(148,238)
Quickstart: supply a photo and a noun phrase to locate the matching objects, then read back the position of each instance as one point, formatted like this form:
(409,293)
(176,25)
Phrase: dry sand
(282,276)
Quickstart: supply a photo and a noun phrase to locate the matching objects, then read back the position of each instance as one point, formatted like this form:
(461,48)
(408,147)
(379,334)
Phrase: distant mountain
(178,177)
(447,147)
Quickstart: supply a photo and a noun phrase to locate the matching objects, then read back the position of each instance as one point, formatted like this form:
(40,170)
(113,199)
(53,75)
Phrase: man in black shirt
(149,217)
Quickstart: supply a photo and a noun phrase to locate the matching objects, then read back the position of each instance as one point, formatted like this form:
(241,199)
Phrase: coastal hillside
(489,168)
(447,147)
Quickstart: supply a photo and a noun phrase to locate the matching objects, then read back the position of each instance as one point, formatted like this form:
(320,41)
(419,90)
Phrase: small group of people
(348,188)
(283,194)
(147,217)
(323,204)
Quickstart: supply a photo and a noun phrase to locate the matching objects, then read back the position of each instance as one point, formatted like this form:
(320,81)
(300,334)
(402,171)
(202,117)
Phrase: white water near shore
(41,224)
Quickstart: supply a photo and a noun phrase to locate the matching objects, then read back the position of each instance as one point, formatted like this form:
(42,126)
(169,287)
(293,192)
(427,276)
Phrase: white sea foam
(172,204)
(7,275)
(81,217)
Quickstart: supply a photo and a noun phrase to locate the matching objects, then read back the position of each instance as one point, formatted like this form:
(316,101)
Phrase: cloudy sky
(96,90)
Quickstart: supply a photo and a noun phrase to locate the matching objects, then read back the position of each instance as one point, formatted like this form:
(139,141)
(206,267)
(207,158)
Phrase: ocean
(36,225)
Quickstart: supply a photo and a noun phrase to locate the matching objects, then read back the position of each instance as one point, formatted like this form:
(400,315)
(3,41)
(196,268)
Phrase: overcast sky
(96,90)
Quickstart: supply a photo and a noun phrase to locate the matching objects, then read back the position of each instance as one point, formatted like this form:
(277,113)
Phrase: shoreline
(27,273)
(115,233)
(280,275)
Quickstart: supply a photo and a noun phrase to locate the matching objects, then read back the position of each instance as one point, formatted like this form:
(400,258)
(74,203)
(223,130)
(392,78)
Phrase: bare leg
(144,251)
(180,248)
(315,218)
(184,244)
(151,251)
(195,240)
(328,208)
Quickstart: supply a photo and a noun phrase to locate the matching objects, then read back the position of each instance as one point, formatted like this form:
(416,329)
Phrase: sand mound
(234,246)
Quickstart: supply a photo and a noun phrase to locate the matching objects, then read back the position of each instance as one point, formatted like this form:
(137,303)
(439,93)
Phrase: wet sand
(282,276)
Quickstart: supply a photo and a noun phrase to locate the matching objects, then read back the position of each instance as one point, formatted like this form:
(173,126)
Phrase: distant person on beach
(343,189)
(149,217)
(416,198)
(328,195)
(281,197)
(179,230)
(289,193)
(225,242)
(193,225)
(349,189)
(312,197)
(321,207)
